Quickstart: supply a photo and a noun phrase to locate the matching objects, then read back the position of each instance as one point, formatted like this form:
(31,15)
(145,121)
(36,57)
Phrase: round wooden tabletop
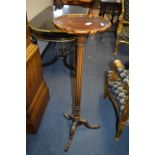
(85,1)
(82,24)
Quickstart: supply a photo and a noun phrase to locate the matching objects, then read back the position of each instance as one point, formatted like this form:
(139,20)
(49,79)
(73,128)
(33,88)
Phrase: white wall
(33,7)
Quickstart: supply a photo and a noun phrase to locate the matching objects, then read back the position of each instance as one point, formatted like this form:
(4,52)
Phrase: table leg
(76,121)
(34,40)
(101,9)
(91,7)
(63,53)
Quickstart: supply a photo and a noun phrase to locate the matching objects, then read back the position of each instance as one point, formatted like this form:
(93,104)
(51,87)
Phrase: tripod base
(76,121)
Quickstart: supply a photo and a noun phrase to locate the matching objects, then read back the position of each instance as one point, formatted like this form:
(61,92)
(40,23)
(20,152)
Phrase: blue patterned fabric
(126,10)
(123,74)
(117,89)
(124,34)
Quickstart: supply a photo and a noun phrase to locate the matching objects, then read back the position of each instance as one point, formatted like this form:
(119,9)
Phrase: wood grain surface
(82,24)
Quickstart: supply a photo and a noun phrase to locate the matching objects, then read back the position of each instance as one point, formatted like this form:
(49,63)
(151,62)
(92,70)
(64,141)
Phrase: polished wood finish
(80,25)
(86,1)
(68,2)
(110,6)
(122,22)
(36,89)
(43,28)
(79,72)
(74,2)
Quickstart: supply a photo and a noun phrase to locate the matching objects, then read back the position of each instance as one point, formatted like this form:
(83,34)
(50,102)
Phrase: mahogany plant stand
(81,25)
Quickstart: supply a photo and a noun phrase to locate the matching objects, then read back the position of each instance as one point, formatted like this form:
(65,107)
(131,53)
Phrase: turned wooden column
(79,70)
(80,25)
